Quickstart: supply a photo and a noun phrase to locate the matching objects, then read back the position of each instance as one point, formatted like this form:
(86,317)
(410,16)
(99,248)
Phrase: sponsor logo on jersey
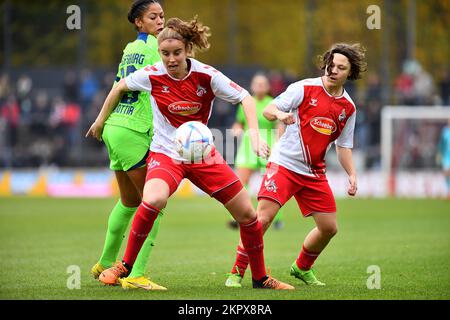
(165,89)
(234,85)
(323,125)
(201,91)
(270,186)
(185,108)
(342,116)
(313,102)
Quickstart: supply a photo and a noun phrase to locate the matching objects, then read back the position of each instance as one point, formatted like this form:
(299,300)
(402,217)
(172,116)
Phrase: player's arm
(237,129)
(272,113)
(344,145)
(229,91)
(259,146)
(238,125)
(110,103)
(346,160)
(282,106)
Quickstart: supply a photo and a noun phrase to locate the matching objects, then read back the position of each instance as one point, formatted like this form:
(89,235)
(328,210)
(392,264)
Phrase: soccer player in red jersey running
(183,89)
(317,113)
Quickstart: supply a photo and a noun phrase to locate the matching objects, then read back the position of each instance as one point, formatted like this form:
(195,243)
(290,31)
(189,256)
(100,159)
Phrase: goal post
(389,115)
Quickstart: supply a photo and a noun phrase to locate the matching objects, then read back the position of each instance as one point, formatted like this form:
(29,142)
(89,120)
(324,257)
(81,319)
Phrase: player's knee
(329,230)
(130,198)
(246,215)
(131,202)
(156,201)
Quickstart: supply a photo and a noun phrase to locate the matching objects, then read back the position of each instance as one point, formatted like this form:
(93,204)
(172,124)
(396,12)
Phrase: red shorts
(312,194)
(215,177)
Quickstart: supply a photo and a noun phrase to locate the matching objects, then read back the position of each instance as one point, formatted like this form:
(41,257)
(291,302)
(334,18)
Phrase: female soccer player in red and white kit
(317,113)
(183,89)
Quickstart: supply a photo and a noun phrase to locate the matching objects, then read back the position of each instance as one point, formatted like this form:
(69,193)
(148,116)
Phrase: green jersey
(245,157)
(265,126)
(134,110)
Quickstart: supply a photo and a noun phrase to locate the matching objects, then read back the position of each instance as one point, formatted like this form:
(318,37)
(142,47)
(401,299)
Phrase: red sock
(306,259)
(144,218)
(241,263)
(252,239)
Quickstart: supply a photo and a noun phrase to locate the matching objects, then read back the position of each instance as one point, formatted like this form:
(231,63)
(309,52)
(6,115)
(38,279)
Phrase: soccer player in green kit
(247,162)
(127,135)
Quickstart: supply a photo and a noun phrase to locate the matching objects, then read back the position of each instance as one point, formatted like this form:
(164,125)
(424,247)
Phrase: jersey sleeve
(139,80)
(291,98)
(345,139)
(226,89)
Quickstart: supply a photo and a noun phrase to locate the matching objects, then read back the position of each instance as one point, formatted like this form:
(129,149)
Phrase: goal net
(409,150)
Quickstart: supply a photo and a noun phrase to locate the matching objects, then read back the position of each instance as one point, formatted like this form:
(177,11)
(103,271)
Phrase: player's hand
(95,131)
(236,130)
(353,187)
(286,117)
(263,150)
(260,147)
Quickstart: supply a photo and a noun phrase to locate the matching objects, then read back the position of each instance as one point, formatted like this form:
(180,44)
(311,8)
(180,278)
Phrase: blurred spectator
(24,86)
(70,87)
(5,87)
(89,87)
(443,155)
(70,121)
(23,90)
(10,114)
(64,119)
(414,86)
(404,85)
(277,83)
(372,111)
(423,87)
(40,113)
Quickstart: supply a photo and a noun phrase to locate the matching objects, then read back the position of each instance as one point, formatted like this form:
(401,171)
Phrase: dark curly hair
(138,8)
(355,54)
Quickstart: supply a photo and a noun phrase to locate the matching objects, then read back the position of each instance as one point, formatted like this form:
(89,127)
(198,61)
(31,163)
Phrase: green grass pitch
(409,240)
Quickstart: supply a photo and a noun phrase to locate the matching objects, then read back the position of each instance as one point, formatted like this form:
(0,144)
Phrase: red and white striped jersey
(320,119)
(176,101)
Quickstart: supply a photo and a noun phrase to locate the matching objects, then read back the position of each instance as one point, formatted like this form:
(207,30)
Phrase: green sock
(140,265)
(117,225)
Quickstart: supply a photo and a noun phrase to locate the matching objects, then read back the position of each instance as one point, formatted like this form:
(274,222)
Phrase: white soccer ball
(193,141)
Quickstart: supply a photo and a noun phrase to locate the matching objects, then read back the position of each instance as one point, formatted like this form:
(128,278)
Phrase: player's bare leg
(315,242)
(131,184)
(320,236)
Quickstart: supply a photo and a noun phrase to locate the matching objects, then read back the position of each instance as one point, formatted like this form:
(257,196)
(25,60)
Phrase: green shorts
(127,149)
(246,158)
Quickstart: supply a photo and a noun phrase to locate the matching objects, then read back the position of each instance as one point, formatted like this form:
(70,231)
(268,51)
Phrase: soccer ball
(193,141)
